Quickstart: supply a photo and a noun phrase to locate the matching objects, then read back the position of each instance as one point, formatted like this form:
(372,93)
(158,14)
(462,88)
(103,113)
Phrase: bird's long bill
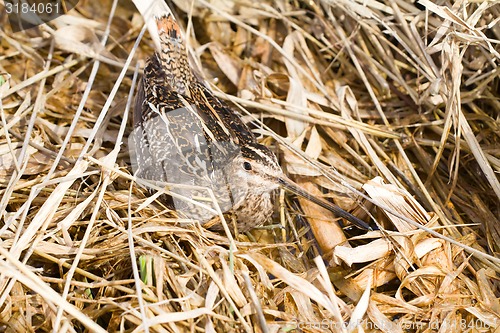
(294,188)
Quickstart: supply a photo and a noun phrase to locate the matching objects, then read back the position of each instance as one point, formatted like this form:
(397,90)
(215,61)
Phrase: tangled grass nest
(390,109)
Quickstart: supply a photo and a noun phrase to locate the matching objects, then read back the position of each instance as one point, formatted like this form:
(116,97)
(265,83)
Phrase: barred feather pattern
(184,135)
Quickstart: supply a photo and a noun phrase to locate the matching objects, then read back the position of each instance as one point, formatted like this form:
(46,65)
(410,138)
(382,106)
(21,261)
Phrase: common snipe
(185,135)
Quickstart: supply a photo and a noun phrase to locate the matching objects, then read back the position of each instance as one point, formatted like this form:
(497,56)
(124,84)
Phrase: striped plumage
(185,135)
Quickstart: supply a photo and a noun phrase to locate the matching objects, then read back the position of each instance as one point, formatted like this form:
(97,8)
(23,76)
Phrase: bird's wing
(220,116)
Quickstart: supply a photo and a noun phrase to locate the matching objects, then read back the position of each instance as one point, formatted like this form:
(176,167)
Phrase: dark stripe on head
(260,153)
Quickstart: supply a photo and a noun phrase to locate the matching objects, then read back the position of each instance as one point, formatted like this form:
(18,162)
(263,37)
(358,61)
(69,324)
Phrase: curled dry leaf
(377,249)
(81,40)
(38,162)
(229,65)
(314,146)
(398,200)
(382,270)
(405,258)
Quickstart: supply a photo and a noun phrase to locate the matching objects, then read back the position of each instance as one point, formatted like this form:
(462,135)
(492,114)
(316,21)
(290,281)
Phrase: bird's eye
(247,166)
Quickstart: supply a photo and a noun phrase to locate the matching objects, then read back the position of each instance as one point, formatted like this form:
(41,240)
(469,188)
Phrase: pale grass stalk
(324,279)
(133,257)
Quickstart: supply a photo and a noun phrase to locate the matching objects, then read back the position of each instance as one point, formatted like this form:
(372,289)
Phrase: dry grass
(390,106)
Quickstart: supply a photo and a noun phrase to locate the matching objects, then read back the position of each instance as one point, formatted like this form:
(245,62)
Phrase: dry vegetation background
(352,90)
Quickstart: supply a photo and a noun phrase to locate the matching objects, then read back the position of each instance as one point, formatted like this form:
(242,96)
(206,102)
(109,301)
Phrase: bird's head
(257,168)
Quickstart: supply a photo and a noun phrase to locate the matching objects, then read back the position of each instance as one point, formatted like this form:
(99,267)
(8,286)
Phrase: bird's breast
(254,211)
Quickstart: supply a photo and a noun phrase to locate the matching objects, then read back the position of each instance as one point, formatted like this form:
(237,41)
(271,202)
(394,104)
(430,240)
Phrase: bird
(183,134)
